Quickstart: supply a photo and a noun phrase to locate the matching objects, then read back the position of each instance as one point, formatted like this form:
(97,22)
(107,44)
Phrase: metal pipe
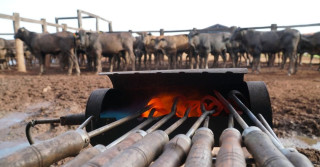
(254,119)
(73,119)
(225,103)
(140,126)
(230,153)
(117,123)
(126,140)
(85,156)
(295,157)
(230,121)
(178,123)
(199,120)
(165,118)
(267,126)
(49,151)
(34,123)
(85,123)
(206,122)
(257,142)
(202,144)
(176,150)
(143,152)
(114,151)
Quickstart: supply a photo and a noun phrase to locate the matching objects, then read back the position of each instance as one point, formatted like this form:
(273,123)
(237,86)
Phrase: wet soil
(27,96)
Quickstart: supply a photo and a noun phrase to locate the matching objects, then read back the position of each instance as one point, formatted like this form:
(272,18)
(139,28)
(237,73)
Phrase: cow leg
(138,58)
(75,60)
(215,61)
(70,64)
(258,64)
(284,60)
(174,60)
(224,58)
(132,60)
(191,59)
(291,69)
(300,58)
(311,57)
(41,63)
(206,61)
(98,61)
(234,58)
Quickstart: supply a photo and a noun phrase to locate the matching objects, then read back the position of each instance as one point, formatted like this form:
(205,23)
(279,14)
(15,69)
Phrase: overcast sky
(167,14)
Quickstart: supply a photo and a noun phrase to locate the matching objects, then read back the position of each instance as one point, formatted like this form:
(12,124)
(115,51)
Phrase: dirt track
(23,97)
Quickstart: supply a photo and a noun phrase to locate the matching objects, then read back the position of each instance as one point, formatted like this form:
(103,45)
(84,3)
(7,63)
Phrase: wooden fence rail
(19,44)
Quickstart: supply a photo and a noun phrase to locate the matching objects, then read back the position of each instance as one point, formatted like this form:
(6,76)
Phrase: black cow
(56,43)
(140,51)
(257,42)
(309,44)
(205,43)
(111,44)
(236,50)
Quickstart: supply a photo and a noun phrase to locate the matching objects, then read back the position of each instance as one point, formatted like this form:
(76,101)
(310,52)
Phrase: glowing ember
(163,104)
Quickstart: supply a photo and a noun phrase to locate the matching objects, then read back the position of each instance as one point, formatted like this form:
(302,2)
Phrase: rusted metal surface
(116,123)
(200,152)
(108,154)
(296,158)
(47,152)
(262,149)
(230,153)
(141,153)
(143,124)
(174,152)
(85,156)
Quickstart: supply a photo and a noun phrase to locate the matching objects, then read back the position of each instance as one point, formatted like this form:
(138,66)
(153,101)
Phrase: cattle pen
(87,15)
(43,22)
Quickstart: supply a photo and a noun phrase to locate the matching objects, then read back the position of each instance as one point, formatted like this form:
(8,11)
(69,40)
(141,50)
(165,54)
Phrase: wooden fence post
(110,26)
(64,27)
(45,30)
(161,32)
(57,22)
(79,19)
(19,44)
(97,24)
(274,27)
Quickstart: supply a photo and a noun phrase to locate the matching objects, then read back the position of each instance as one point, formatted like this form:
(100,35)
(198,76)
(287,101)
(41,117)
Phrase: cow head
(238,34)
(160,44)
(22,33)
(192,37)
(83,37)
(193,33)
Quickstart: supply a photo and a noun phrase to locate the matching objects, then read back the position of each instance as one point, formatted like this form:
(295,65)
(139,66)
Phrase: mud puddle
(301,142)
(15,123)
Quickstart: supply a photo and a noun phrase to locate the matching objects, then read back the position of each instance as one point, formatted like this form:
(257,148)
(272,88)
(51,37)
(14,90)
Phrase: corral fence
(272,27)
(19,44)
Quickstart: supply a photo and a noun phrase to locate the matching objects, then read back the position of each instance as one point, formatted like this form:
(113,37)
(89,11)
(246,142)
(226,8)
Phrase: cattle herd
(123,50)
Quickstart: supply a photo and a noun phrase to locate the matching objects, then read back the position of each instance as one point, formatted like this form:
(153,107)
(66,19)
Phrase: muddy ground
(27,96)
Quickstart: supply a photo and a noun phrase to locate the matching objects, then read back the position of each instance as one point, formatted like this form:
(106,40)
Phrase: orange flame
(163,104)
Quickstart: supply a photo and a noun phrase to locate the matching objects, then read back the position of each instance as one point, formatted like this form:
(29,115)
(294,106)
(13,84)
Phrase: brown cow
(173,47)
(149,42)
